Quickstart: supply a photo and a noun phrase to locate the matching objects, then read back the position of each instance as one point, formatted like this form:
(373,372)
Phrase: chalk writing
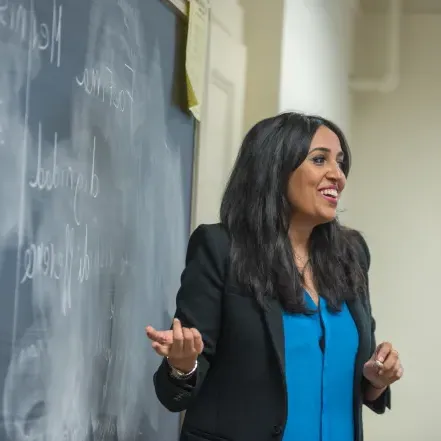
(100,216)
(100,83)
(44,259)
(41,36)
(78,181)
(63,261)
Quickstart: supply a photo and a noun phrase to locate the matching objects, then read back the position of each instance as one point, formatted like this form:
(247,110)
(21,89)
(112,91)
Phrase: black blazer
(239,393)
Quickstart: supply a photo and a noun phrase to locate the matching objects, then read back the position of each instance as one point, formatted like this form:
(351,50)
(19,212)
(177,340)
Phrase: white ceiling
(409,6)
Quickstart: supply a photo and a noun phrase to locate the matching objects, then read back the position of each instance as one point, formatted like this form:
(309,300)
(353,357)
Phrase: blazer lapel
(274,321)
(362,322)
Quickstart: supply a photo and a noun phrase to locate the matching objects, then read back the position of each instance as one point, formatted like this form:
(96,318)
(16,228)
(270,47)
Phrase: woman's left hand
(384,367)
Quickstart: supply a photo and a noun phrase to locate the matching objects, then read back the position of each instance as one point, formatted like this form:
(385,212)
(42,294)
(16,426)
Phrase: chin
(326,216)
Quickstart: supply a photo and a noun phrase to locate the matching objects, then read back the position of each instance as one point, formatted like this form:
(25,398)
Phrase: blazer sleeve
(384,400)
(198,305)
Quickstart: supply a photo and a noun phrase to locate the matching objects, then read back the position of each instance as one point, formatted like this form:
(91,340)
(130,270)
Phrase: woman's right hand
(180,345)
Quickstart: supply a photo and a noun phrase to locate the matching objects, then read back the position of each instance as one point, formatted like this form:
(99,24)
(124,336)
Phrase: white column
(315,58)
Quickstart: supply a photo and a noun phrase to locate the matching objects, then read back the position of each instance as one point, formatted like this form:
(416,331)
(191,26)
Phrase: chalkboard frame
(180,5)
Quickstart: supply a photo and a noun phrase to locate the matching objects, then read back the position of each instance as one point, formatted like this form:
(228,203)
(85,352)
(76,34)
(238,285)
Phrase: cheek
(301,191)
(342,183)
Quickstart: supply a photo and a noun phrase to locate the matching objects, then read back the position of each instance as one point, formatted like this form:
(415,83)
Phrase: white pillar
(315,58)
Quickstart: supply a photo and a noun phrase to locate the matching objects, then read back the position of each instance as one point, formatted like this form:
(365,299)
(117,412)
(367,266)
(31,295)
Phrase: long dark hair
(256,213)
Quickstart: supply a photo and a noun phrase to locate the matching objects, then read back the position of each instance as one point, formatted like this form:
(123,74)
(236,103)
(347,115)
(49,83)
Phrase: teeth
(329,192)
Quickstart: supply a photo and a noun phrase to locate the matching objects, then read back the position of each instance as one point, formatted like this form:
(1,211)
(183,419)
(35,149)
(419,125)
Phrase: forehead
(325,137)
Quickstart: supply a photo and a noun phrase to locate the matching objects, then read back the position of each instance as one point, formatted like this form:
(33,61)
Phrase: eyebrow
(326,150)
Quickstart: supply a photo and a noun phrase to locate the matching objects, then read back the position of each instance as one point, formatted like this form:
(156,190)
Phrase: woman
(273,336)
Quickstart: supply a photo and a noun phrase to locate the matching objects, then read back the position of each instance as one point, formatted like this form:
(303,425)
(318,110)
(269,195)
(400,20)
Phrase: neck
(299,234)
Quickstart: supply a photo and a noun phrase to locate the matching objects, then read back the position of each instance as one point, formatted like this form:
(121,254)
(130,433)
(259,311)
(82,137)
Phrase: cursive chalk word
(62,176)
(41,36)
(62,261)
(46,260)
(101,85)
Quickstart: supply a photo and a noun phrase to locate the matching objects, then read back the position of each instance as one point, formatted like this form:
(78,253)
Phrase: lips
(330,194)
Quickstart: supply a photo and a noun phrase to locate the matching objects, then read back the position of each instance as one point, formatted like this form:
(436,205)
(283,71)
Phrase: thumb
(371,365)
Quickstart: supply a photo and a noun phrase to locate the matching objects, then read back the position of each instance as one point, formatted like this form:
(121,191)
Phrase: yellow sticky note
(196,54)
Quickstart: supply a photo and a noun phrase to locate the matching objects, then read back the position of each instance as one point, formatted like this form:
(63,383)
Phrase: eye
(319,160)
(341,164)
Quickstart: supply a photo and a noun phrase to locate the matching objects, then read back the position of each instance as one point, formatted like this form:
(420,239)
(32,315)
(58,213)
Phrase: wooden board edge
(180,5)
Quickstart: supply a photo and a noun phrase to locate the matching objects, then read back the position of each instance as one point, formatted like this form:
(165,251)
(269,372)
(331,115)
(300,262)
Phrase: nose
(334,172)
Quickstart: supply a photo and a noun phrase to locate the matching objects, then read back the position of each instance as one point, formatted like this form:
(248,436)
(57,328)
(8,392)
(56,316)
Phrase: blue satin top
(320,351)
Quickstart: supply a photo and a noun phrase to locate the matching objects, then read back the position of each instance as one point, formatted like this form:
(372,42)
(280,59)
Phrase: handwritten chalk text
(41,36)
(64,261)
(65,176)
(100,83)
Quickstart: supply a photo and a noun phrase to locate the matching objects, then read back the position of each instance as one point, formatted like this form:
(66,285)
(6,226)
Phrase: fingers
(388,363)
(393,370)
(384,367)
(188,341)
(198,343)
(193,343)
(162,350)
(163,337)
(177,343)
(390,360)
(178,337)
(383,351)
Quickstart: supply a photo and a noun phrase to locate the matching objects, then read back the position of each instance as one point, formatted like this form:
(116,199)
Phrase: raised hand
(180,345)
(384,367)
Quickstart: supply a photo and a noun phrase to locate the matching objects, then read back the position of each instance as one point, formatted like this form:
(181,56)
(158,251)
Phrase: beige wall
(262,36)
(394,199)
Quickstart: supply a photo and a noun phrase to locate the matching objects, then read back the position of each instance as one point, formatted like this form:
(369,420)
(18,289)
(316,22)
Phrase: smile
(330,194)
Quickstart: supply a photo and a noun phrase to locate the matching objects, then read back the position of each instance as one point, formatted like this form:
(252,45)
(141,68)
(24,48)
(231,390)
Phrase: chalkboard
(96,153)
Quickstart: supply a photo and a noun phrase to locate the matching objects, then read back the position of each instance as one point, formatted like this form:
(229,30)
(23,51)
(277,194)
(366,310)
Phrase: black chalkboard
(96,153)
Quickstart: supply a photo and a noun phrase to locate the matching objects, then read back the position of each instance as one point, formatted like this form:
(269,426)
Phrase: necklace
(301,259)
(304,263)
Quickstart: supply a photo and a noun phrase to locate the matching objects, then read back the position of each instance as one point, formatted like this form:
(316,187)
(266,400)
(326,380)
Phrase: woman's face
(314,188)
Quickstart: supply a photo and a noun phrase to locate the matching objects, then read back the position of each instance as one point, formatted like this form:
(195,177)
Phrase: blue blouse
(320,382)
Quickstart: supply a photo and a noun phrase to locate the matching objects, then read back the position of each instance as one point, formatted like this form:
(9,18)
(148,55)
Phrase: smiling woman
(282,168)
(273,336)
(315,187)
